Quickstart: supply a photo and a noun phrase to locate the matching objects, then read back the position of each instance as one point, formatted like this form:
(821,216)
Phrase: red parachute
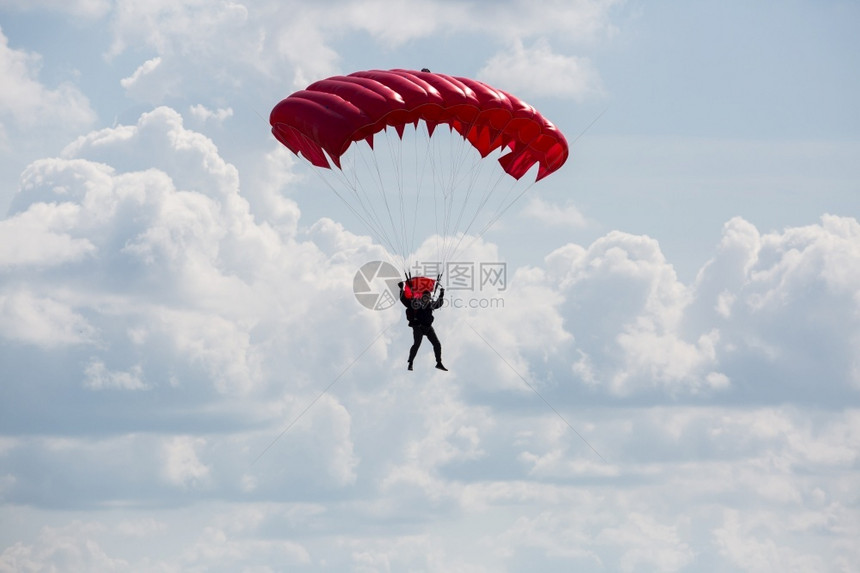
(413,185)
(331,114)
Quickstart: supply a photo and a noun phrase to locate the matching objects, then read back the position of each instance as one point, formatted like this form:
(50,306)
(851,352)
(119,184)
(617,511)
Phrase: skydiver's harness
(412,311)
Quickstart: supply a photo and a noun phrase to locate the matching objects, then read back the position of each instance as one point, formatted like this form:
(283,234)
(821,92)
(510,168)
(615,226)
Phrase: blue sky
(683,297)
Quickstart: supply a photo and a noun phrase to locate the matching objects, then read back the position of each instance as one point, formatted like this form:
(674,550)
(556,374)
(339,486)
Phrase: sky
(667,379)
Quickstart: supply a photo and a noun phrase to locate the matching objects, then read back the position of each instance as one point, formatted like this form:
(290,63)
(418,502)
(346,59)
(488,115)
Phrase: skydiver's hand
(400,284)
(442,291)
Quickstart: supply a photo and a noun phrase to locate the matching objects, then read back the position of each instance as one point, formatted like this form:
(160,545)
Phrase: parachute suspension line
(450,193)
(489,191)
(493,220)
(462,167)
(464,172)
(503,208)
(435,184)
(398,156)
(368,224)
(471,168)
(421,175)
(370,227)
(457,154)
(384,194)
(355,186)
(360,191)
(472,177)
(385,189)
(449,183)
(372,219)
(448,180)
(400,171)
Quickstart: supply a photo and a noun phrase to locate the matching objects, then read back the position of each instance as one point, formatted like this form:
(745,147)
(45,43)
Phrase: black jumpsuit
(420,317)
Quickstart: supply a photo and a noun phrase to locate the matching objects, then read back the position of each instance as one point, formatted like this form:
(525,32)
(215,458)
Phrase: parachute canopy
(415,287)
(323,120)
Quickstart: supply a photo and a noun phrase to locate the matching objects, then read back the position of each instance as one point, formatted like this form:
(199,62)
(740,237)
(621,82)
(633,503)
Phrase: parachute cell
(330,115)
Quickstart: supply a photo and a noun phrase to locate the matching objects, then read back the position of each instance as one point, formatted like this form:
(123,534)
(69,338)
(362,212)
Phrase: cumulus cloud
(774,298)
(26,103)
(145,68)
(39,236)
(70,546)
(162,25)
(136,242)
(42,320)
(554,215)
(99,377)
(538,70)
(621,288)
(225,38)
(699,338)
(173,292)
(150,82)
(648,543)
(182,466)
(204,114)
(90,9)
(179,344)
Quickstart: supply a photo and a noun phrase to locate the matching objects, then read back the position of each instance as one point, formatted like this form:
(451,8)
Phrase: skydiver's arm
(403,299)
(439,300)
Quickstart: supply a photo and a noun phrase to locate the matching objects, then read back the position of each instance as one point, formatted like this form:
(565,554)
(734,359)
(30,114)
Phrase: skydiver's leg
(437,346)
(417,335)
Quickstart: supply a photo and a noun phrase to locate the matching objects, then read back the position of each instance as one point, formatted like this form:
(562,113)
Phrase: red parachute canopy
(417,286)
(331,114)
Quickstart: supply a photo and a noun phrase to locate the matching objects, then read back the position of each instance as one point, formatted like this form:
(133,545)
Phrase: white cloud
(225,39)
(141,528)
(744,547)
(99,377)
(395,22)
(183,29)
(26,103)
(150,82)
(774,298)
(42,321)
(145,68)
(621,289)
(151,257)
(698,339)
(182,466)
(202,113)
(68,547)
(537,70)
(90,9)
(647,543)
(220,548)
(554,215)
(38,237)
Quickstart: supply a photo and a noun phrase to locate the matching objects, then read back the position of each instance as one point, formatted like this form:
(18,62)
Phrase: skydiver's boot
(410,365)
(440,366)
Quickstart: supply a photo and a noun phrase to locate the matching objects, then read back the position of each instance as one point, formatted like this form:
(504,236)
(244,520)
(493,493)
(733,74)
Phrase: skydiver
(419,313)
